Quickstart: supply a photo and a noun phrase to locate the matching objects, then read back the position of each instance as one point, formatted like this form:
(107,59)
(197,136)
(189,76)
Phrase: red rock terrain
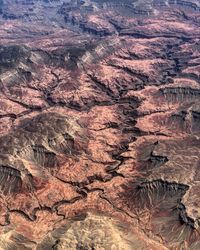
(99,125)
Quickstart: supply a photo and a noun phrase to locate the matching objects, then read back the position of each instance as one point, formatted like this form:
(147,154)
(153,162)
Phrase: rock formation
(99,124)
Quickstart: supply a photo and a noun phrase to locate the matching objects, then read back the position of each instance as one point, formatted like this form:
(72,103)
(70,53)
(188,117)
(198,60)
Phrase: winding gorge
(99,125)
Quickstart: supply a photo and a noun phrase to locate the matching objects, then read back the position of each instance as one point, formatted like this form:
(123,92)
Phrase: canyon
(99,124)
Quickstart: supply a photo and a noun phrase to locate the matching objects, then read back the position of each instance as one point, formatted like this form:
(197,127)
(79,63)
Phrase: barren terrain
(99,125)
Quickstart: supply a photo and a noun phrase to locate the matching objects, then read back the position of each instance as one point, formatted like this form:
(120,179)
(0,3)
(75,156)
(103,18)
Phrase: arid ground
(99,124)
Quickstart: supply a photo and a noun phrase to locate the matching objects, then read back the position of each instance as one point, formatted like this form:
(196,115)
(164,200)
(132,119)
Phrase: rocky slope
(99,124)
